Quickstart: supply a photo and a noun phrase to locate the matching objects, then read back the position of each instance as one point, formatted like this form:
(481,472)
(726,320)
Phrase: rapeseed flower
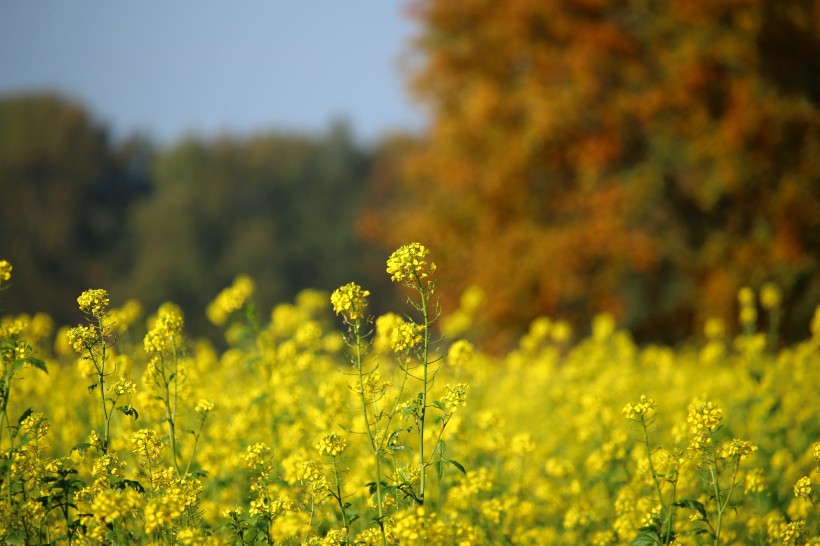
(455,396)
(737,449)
(408,265)
(644,408)
(94,302)
(350,301)
(82,338)
(405,336)
(230,300)
(802,489)
(770,296)
(5,271)
(146,446)
(703,420)
(331,444)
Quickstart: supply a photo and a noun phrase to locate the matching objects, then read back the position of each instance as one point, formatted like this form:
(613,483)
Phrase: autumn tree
(641,157)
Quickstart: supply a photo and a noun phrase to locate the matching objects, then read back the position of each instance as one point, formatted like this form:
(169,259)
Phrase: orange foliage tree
(645,158)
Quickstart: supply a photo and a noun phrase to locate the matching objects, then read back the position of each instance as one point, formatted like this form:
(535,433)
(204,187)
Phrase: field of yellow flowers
(323,425)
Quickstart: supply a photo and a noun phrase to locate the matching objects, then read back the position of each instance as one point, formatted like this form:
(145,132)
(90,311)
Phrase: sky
(169,68)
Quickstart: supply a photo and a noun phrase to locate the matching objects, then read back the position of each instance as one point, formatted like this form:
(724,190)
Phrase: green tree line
(79,210)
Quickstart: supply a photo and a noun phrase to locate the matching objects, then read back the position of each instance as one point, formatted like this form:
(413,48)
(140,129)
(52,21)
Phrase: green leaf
(128,410)
(24,415)
(15,537)
(646,538)
(438,465)
(391,441)
(36,362)
(135,485)
(457,465)
(81,447)
(440,405)
(692,505)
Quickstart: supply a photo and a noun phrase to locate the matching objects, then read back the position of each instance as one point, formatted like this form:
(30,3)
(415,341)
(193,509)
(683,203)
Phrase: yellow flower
(643,408)
(350,301)
(331,444)
(409,265)
(456,396)
(770,296)
(166,327)
(405,336)
(739,449)
(145,445)
(124,387)
(802,489)
(82,338)
(230,300)
(5,271)
(703,420)
(94,302)
(203,407)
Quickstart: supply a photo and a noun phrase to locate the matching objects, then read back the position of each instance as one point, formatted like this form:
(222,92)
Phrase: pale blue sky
(170,67)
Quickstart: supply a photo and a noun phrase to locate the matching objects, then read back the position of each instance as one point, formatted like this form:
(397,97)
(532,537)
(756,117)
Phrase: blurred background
(568,157)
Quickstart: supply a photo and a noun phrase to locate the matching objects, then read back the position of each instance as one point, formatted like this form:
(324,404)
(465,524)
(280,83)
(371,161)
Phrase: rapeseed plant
(296,434)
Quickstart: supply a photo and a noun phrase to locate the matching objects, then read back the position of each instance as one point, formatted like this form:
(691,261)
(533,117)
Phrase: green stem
(196,442)
(338,494)
(100,367)
(424,362)
(713,470)
(356,328)
(667,523)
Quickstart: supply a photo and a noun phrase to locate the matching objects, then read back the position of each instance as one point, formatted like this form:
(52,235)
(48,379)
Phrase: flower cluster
(204,406)
(456,396)
(406,335)
(703,420)
(230,300)
(640,409)
(124,387)
(331,444)
(748,311)
(146,446)
(737,449)
(94,302)
(802,489)
(5,271)
(167,326)
(408,265)
(770,296)
(350,301)
(82,338)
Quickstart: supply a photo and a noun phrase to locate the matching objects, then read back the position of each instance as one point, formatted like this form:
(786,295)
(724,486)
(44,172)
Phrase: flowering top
(641,409)
(408,264)
(456,396)
(94,302)
(82,338)
(230,300)
(5,271)
(703,420)
(739,449)
(166,327)
(350,301)
(802,489)
(331,444)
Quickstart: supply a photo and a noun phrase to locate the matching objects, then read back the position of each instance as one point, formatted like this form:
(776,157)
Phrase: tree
(280,208)
(645,158)
(65,189)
